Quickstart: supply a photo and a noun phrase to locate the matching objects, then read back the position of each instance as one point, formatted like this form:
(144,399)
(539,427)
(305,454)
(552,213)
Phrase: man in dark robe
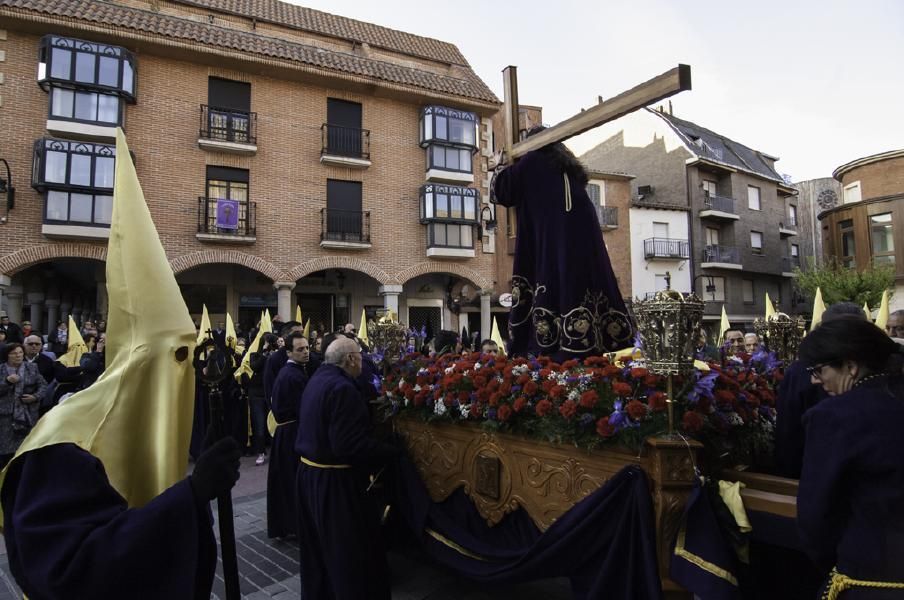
(277,359)
(566,300)
(282,514)
(342,554)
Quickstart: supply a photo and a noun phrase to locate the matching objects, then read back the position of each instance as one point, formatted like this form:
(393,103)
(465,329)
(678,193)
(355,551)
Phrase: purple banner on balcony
(227,214)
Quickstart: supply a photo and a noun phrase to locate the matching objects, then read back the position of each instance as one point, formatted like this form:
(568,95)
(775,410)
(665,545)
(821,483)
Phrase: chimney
(670,108)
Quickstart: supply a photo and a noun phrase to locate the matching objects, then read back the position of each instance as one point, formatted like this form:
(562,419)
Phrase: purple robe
(566,299)
(70,534)
(342,554)
(282,515)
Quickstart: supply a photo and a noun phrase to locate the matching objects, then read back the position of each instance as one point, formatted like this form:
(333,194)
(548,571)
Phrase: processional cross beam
(667,84)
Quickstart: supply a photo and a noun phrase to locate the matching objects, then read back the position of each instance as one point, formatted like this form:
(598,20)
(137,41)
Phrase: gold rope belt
(286,422)
(839,583)
(317,465)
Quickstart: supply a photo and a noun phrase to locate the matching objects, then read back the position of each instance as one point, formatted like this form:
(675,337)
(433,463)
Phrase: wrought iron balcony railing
(721,254)
(789,263)
(349,142)
(344,226)
(666,248)
(719,203)
(225,125)
(218,216)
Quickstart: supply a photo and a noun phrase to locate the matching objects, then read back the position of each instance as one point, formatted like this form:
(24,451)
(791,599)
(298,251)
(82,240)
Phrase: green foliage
(841,284)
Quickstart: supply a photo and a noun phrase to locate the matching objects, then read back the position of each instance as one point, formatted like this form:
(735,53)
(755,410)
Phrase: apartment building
(288,157)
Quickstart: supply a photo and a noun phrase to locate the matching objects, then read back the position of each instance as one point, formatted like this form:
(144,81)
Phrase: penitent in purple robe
(282,519)
(70,534)
(566,299)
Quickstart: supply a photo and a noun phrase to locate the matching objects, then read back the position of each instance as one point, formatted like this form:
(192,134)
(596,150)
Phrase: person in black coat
(12,330)
(258,403)
(850,504)
(33,354)
(278,359)
(93,363)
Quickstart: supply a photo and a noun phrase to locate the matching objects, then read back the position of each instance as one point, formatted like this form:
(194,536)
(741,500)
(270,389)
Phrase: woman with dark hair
(93,363)
(566,301)
(21,390)
(850,505)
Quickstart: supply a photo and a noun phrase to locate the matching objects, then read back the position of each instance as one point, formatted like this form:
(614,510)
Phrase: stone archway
(27,257)
(339,262)
(424,268)
(212,257)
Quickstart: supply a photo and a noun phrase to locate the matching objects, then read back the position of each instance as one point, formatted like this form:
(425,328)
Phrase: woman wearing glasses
(851,498)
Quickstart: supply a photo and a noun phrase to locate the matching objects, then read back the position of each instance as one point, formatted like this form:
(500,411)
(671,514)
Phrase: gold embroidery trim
(699,561)
(840,583)
(286,422)
(458,548)
(311,463)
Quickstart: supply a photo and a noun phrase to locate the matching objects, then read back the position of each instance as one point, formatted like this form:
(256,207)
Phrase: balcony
(789,263)
(608,216)
(666,248)
(345,146)
(225,130)
(721,208)
(787,229)
(450,239)
(721,257)
(226,221)
(344,229)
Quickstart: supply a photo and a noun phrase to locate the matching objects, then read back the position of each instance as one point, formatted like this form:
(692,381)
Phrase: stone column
(53,314)
(390,295)
(486,323)
(102,295)
(5,283)
(284,299)
(14,303)
(36,303)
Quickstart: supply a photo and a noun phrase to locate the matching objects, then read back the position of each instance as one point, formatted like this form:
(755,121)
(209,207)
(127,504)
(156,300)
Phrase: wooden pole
(510,109)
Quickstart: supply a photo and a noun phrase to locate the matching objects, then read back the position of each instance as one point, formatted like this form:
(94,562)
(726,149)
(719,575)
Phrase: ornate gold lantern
(387,336)
(781,334)
(669,324)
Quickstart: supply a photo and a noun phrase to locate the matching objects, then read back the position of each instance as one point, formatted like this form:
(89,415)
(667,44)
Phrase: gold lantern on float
(781,334)
(669,324)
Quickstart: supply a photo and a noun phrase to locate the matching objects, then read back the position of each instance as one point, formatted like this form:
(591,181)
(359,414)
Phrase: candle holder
(781,334)
(668,324)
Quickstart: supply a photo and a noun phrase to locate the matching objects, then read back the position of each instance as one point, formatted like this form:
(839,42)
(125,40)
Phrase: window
(852,193)
(709,187)
(747,290)
(753,198)
(712,236)
(717,291)
(593,190)
(448,202)
(660,230)
(77,179)
(86,65)
(344,135)
(85,106)
(440,124)
(792,215)
(449,235)
(343,203)
(756,242)
(228,111)
(846,230)
(795,251)
(448,158)
(227,183)
(882,235)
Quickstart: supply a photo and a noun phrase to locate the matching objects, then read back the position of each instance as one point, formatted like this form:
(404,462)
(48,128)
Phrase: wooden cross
(668,84)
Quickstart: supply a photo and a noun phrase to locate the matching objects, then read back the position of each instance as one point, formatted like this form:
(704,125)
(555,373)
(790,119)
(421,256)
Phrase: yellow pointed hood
(770,309)
(362,330)
(882,317)
(724,326)
(245,366)
(497,337)
(867,312)
(307,328)
(204,329)
(819,307)
(137,417)
(298,313)
(231,336)
(75,346)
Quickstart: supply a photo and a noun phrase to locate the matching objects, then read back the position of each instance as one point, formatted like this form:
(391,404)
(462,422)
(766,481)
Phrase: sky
(816,83)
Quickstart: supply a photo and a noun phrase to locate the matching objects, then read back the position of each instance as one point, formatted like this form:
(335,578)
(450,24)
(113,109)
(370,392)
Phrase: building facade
(865,226)
(288,157)
(813,197)
(711,212)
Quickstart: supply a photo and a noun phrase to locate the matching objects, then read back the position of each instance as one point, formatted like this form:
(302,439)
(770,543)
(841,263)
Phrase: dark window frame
(76,47)
(431,163)
(442,114)
(758,250)
(434,226)
(430,195)
(752,283)
(120,112)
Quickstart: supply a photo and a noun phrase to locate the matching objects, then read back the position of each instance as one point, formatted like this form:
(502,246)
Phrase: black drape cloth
(605,544)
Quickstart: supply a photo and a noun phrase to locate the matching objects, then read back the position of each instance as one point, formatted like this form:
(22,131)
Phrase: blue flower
(703,387)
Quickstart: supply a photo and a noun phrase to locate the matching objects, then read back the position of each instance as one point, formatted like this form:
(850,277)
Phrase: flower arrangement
(594,402)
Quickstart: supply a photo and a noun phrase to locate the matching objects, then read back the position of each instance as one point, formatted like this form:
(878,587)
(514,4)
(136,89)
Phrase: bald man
(342,555)
(895,325)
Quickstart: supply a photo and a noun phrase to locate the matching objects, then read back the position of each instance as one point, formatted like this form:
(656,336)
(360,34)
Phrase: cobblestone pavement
(269,568)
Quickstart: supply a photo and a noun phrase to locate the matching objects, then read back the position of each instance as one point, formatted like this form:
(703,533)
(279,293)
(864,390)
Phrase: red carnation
(504,412)
(523,378)
(604,429)
(610,370)
(480,381)
(463,397)
(636,409)
(569,364)
(547,384)
(543,407)
(568,409)
(724,397)
(520,403)
(557,391)
(505,389)
(495,397)
(544,373)
(621,388)
(692,422)
(656,401)
(589,399)
(530,388)
(639,372)
(651,380)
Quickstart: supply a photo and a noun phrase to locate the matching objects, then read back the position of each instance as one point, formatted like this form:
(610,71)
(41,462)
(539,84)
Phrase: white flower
(423,371)
(449,370)
(477,366)
(417,387)
(439,407)
(406,402)
(465,409)
(574,395)
(734,418)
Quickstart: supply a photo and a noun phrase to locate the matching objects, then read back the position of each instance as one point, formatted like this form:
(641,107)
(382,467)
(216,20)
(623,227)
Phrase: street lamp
(6,187)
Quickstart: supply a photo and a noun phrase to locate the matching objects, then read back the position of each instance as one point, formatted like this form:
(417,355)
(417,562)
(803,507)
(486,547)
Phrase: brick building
(288,156)
(865,225)
(709,211)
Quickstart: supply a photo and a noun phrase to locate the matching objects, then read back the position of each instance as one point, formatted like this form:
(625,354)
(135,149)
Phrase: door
(344,217)
(343,120)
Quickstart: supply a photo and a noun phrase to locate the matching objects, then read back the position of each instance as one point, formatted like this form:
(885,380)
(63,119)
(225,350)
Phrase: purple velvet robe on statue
(70,534)
(566,299)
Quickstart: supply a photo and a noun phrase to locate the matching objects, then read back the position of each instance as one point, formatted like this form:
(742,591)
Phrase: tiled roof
(717,148)
(307,19)
(468,87)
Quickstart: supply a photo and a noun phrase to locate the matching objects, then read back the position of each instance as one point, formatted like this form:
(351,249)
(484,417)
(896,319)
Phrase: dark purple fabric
(275,361)
(796,395)
(566,299)
(342,555)
(69,534)
(850,504)
(282,513)
(605,544)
